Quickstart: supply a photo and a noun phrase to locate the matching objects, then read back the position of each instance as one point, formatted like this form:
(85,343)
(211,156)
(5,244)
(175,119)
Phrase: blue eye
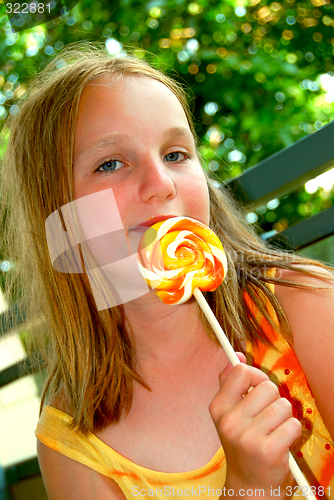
(110,166)
(175,156)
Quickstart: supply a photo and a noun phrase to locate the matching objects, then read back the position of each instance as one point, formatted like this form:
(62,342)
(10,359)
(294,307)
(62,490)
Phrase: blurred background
(260,75)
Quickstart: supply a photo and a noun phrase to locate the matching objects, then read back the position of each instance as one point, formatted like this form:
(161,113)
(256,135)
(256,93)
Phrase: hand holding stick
(234,360)
(178,258)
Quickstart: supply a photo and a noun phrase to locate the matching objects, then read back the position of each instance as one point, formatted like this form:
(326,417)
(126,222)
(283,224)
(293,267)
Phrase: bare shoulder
(310,313)
(306,304)
(299,277)
(307,308)
(293,299)
(66,479)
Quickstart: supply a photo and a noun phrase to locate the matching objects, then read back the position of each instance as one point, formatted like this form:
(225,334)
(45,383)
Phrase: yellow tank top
(314,452)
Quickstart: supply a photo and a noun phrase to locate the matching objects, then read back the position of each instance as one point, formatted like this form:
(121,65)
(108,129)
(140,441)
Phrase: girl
(141,398)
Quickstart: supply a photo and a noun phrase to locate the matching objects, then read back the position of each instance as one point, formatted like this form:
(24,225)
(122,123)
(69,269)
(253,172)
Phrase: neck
(165,332)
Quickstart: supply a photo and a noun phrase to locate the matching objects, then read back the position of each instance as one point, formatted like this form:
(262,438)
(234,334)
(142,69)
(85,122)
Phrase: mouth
(154,220)
(136,232)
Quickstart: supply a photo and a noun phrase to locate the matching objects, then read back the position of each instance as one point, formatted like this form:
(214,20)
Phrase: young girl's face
(132,135)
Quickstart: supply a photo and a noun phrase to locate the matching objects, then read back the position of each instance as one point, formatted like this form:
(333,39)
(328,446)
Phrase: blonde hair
(89,353)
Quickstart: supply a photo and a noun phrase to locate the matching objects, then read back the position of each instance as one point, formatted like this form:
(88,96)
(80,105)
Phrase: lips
(136,232)
(154,220)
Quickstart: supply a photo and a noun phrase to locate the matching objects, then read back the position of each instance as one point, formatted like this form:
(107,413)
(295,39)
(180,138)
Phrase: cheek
(198,198)
(124,201)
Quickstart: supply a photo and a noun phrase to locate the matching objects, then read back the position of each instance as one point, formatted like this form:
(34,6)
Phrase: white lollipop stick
(151,272)
(234,360)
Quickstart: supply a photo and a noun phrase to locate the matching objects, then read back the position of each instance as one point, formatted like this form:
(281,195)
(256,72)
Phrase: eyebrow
(181,132)
(111,140)
(96,147)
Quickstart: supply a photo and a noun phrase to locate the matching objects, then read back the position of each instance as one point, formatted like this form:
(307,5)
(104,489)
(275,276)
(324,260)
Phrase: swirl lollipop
(177,255)
(178,258)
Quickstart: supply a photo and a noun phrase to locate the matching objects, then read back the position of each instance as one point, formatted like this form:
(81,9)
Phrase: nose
(157,180)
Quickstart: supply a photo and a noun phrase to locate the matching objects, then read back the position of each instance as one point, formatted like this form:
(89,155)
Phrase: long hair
(88,353)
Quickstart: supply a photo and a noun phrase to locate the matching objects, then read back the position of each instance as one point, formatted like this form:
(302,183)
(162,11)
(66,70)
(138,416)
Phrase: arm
(256,431)
(66,479)
(311,317)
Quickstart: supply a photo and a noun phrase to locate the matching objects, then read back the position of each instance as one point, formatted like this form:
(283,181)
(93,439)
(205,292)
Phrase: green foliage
(262,75)
(292,209)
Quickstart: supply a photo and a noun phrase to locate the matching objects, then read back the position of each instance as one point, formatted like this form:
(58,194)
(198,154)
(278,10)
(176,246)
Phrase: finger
(228,368)
(242,357)
(238,381)
(282,438)
(274,415)
(259,398)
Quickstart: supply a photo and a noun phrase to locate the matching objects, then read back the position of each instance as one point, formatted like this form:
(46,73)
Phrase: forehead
(136,105)
(128,93)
